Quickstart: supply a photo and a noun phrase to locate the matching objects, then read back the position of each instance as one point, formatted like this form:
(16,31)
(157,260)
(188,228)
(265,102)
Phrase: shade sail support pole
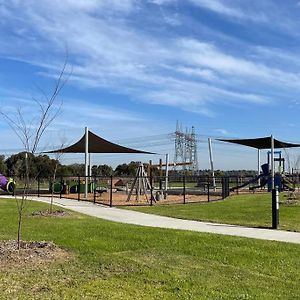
(272,162)
(211,161)
(90,166)
(86,161)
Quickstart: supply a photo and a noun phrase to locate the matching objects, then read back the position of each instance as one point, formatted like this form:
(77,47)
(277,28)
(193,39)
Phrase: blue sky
(230,68)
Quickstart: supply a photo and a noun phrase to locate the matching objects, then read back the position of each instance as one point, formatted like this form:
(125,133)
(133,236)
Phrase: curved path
(143,219)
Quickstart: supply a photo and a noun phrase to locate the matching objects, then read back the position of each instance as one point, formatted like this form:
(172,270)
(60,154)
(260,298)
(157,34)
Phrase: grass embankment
(117,261)
(253,210)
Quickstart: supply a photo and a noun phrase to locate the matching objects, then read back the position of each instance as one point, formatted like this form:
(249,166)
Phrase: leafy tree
(44,166)
(39,166)
(17,167)
(3,167)
(71,170)
(102,170)
(127,169)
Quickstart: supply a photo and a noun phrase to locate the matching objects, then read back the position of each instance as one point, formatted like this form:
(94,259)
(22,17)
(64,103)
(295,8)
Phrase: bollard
(275,208)
(208,188)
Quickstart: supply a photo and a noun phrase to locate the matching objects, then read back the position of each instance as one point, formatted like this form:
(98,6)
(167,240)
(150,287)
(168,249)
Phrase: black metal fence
(121,190)
(153,190)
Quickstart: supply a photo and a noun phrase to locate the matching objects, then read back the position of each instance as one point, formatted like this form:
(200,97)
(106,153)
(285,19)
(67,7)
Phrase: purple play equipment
(7,184)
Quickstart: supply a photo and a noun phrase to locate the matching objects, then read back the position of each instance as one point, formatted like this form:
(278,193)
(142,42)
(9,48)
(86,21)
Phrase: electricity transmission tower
(179,144)
(186,148)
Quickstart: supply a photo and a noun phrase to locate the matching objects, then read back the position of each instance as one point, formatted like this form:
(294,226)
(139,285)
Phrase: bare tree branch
(30,131)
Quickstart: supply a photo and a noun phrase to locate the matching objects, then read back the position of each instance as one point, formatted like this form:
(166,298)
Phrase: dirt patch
(30,253)
(48,213)
(120,199)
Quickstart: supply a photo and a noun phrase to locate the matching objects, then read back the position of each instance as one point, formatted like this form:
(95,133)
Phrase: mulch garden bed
(30,252)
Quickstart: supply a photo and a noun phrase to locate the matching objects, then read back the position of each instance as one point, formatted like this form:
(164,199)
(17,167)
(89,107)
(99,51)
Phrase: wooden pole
(160,168)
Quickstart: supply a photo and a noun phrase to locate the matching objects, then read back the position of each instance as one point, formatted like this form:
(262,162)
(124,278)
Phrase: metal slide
(251,181)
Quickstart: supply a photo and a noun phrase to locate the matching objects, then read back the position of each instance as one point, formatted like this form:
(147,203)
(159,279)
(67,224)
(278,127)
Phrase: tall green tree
(127,169)
(3,167)
(102,170)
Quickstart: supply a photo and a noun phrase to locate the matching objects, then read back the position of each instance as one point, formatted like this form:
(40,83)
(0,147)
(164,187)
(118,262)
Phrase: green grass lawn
(118,261)
(249,210)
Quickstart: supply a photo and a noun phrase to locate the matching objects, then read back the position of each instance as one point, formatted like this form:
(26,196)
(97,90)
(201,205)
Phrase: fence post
(227,187)
(111,193)
(237,184)
(208,188)
(38,186)
(184,189)
(94,189)
(223,187)
(151,187)
(78,188)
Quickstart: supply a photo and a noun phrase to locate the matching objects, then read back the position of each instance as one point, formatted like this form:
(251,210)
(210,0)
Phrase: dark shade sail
(260,143)
(97,145)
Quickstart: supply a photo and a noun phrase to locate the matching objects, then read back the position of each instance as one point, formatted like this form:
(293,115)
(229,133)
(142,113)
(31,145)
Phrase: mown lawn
(250,210)
(117,261)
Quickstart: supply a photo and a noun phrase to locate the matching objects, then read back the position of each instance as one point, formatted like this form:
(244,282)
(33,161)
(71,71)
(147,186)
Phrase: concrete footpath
(143,219)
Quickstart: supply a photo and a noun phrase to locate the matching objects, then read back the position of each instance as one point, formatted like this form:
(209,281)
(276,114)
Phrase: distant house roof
(122,182)
(96,144)
(260,143)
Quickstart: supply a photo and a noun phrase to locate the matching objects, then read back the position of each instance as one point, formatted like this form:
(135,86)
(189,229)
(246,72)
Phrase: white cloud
(219,7)
(109,121)
(222,131)
(172,20)
(73,109)
(162,2)
(207,55)
(207,74)
(224,8)
(89,6)
(108,52)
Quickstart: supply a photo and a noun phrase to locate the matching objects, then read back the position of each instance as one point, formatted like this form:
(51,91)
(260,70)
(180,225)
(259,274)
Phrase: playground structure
(281,181)
(141,184)
(142,189)
(145,188)
(7,184)
(136,190)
